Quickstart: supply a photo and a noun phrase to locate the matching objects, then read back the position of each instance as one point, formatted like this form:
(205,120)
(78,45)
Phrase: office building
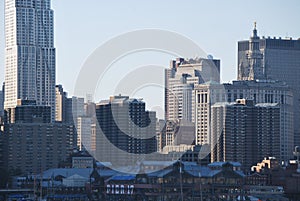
(272,59)
(29,53)
(245,132)
(127,126)
(180,80)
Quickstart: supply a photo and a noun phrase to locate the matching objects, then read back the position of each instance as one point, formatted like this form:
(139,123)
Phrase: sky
(83,25)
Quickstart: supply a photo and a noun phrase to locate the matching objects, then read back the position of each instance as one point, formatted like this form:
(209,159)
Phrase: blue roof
(66,172)
(194,171)
(122,178)
(107,173)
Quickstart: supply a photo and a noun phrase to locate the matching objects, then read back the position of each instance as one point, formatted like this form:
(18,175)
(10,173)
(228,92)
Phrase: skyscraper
(207,94)
(245,132)
(272,58)
(128,126)
(29,53)
(180,80)
(268,91)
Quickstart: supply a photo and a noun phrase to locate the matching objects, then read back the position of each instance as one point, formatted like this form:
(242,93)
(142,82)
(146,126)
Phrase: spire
(254,35)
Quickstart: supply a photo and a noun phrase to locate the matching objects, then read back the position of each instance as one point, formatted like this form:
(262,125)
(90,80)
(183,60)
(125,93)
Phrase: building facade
(27,111)
(206,95)
(127,125)
(61,105)
(31,143)
(29,53)
(34,147)
(260,91)
(245,132)
(180,80)
(84,133)
(272,59)
(269,92)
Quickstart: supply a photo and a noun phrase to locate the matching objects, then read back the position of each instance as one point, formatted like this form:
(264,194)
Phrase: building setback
(245,132)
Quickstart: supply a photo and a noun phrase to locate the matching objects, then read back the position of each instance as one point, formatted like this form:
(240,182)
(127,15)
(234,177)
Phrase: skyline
(218,35)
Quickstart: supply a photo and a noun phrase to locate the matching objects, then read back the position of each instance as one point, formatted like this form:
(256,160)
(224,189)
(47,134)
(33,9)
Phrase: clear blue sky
(215,25)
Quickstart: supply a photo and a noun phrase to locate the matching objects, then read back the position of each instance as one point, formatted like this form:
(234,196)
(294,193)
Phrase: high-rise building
(84,133)
(27,111)
(262,91)
(61,104)
(267,91)
(35,147)
(77,108)
(245,132)
(31,142)
(206,95)
(180,80)
(275,59)
(29,53)
(128,126)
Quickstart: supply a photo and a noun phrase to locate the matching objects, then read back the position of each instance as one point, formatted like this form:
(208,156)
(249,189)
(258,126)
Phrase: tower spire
(254,34)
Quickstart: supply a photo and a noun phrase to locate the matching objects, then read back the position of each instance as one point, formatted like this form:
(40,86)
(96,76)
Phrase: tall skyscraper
(29,53)
(245,132)
(275,59)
